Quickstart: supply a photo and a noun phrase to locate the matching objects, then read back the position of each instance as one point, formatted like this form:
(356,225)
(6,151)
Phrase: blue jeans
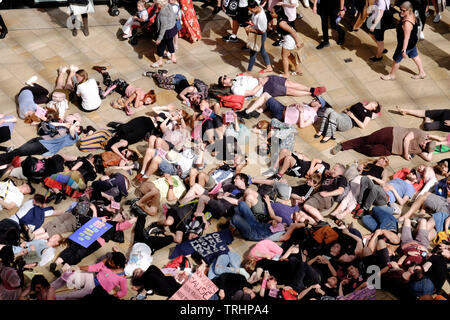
(276,108)
(225,263)
(244,220)
(381,218)
(263,52)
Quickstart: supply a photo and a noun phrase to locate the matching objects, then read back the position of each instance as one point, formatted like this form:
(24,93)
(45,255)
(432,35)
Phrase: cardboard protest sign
(89,232)
(197,287)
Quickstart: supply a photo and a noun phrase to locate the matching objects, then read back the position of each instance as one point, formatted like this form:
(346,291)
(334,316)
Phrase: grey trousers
(333,121)
(374,194)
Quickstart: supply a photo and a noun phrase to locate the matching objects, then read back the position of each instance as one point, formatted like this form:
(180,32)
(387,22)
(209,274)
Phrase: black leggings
(75,252)
(32,147)
(155,243)
(154,279)
(120,85)
(5,135)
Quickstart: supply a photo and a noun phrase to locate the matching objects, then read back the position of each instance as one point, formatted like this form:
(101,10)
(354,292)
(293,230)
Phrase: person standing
(406,42)
(241,19)
(166,24)
(379,26)
(330,9)
(83,8)
(259,27)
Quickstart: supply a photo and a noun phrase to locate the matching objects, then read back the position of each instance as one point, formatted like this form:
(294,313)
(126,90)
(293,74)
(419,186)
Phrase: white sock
(142,172)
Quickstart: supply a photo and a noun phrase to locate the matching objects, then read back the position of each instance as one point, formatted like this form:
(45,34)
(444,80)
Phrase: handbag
(254,39)
(231,7)
(79,2)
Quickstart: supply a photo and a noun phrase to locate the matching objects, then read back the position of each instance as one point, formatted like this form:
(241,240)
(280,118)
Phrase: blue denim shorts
(412,53)
(166,167)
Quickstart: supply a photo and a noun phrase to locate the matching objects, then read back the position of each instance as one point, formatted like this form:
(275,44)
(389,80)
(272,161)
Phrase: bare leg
(61,79)
(202,179)
(259,103)
(202,202)
(414,207)
(391,75)
(288,162)
(313,212)
(412,112)
(149,153)
(194,192)
(285,57)
(419,65)
(193,174)
(153,167)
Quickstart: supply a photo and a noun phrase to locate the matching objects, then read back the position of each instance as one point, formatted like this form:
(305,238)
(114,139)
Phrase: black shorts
(378,34)
(242,16)
(217,208)
(275,86)
(300,167)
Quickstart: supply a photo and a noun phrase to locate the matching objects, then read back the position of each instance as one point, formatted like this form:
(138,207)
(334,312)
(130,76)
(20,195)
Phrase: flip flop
(264,71)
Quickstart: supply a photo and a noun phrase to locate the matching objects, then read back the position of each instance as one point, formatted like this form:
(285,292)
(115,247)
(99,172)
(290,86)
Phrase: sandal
(387,78)
(156,65)
(419,76)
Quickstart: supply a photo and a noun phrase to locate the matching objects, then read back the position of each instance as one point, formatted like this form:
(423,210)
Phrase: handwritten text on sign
(89,232)
(197,287)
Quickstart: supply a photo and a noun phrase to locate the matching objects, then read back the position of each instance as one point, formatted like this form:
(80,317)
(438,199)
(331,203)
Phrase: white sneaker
(437,18)
(422,35)
(306,3)
(30,81)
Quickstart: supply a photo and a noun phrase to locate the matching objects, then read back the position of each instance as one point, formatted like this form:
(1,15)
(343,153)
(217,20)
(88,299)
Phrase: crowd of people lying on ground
(293,216)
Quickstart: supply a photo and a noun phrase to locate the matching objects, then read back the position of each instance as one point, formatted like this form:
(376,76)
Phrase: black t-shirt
(301,190)
(135,130)
(281,16)
(183,84)
(231,283)
(372,169)
(360,112)
(331,184)
(87,171)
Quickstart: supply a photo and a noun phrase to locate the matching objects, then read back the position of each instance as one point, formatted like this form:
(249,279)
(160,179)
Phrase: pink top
(265,248)
(108,279)
(119,227)
(130,90)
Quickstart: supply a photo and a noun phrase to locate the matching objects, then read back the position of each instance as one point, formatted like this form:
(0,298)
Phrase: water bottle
(338,19)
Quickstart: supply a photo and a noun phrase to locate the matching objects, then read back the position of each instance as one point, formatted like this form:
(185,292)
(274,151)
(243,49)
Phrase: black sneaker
(275,177)
(244,47)
(385,51)
(322,45)
(340,42)
(375,59)
(131,201)
(134,208)
(230,38)
(254,114)
(149,74)
(277,43)
(162,71)
(243,114)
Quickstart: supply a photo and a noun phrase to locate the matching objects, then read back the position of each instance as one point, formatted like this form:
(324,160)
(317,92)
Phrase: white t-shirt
(89,95)
(243,3)
(244,83)
(10,193)
(140,257)
(259,21)
(309,114)
(291,12)
(382,4)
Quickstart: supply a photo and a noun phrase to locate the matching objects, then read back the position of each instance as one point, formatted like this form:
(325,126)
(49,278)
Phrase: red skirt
(190,27)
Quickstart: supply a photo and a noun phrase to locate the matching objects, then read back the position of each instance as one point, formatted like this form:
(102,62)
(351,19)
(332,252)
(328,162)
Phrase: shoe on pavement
(322,45)
(437,18)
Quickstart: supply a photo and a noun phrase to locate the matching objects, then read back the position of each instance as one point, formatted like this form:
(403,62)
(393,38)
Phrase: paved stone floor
(39,42)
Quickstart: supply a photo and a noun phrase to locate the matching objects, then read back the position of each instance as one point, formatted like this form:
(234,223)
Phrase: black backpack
(45,128)
(34,169)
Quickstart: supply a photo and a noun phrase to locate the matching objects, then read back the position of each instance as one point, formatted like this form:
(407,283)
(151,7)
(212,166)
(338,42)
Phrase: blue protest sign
(89,232)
